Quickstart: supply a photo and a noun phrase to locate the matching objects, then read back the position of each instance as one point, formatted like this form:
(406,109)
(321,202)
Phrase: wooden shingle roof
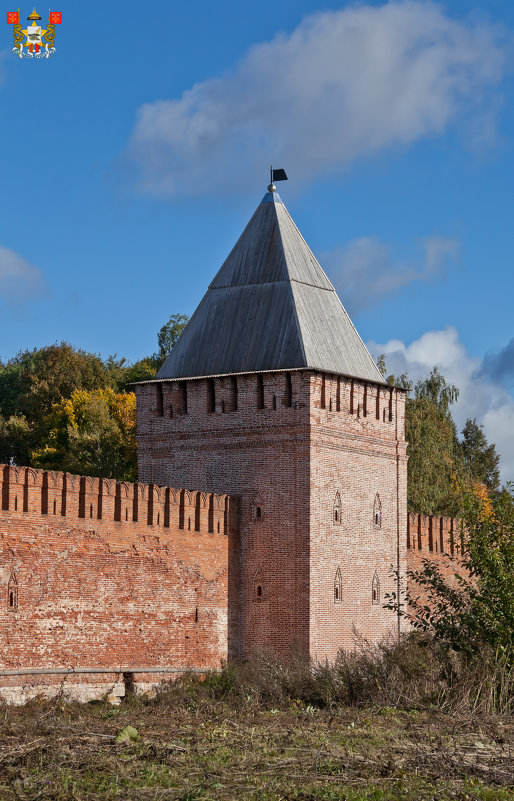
(270,307)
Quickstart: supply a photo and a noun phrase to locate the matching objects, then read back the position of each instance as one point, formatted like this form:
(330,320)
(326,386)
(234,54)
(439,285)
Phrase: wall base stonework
(85,685)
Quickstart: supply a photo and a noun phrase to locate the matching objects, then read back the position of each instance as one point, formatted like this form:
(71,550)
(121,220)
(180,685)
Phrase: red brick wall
(436,539)
(359,453)
(97,588)
(290,460)
(263,456)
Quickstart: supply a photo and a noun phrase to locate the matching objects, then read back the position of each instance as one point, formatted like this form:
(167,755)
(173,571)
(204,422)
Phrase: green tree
(433,460)
(475,608)
(169,334)
(434,456)
(435,389)
(32,382)
(16,438)
(91,433)
(480,458)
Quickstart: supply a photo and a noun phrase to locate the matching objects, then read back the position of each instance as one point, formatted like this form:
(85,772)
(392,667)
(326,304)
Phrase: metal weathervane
(38,41)
(276,175)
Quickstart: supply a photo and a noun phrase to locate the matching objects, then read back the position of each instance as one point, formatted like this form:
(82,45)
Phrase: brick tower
(271,395)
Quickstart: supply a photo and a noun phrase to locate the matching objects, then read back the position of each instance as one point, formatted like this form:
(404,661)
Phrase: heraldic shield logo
(34,41)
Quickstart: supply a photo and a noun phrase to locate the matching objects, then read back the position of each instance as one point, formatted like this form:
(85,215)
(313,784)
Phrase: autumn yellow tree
(91,433)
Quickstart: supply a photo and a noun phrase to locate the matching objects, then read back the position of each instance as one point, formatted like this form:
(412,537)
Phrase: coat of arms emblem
(34,41)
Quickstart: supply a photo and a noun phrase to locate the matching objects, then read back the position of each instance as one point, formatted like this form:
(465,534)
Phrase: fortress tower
(270,395)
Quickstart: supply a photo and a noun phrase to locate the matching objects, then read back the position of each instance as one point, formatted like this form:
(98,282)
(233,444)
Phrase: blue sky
(133,158)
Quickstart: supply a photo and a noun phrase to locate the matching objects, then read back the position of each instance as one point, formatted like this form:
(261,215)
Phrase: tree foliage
(169,334)
(438,460)
(32,382)
(34,386)
(432,447)
(435,389)
(91,433)
(432,452)
(480,458)
(476,609)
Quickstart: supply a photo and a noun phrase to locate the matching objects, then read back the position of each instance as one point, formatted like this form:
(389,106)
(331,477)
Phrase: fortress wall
(116,586)
(103,576)
(437,539)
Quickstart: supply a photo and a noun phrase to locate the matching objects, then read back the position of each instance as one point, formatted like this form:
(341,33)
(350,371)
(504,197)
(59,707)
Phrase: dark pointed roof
(270,307)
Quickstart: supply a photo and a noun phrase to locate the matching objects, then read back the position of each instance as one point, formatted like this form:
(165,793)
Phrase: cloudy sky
(133,158)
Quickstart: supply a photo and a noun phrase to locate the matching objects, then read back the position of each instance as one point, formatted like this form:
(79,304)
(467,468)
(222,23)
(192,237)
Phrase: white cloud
(342,85)
(20,281)
(479,395)
(364,273)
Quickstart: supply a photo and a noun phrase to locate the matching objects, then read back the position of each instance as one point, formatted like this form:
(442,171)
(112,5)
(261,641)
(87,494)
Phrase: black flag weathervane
(276,175)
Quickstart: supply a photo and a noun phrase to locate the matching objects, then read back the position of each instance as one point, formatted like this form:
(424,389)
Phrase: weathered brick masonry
(358,453)
(96,575)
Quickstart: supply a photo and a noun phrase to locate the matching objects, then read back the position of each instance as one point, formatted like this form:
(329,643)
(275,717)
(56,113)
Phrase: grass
(264,732)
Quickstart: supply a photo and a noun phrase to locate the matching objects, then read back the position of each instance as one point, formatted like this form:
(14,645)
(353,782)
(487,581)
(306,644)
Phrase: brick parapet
(437,539)
(87,501)
(428,534)
(278,398)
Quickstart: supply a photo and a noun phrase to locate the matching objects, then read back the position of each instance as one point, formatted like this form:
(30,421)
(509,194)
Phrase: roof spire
(270,307)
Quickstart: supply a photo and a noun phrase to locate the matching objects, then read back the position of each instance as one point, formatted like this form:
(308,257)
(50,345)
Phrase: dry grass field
(262,734)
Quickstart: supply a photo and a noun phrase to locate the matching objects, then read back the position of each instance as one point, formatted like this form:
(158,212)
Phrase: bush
(416,672)
(474,613)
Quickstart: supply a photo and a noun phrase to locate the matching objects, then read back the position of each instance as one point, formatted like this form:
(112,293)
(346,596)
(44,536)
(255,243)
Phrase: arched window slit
(336,513)
(375,589)
(377,512)
(338,586)
(12,593)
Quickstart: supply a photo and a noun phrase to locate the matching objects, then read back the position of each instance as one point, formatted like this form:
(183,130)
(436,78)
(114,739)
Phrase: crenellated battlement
(83,499)
(276,397)
(438,539)
(436,535)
